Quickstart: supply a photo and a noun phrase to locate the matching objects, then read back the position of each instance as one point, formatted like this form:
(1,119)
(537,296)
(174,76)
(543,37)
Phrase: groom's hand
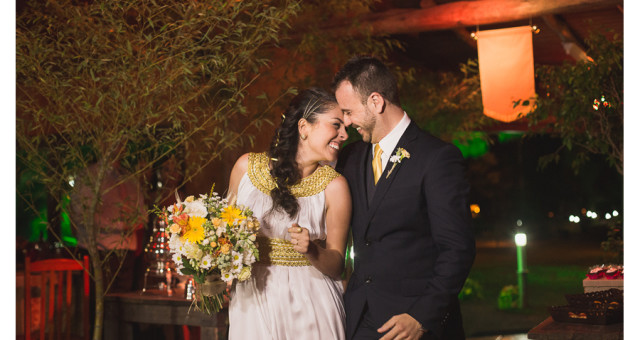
(401,326)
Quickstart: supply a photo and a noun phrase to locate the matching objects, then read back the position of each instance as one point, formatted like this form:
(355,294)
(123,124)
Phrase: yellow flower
(189,199)
(230,214)
(405,153)
(195,231)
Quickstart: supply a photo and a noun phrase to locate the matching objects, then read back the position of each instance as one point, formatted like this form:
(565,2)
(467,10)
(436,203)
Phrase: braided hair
(308,104)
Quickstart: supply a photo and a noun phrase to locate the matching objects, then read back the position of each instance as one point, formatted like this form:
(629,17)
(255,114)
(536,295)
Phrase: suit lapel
(362,178)
(385,182)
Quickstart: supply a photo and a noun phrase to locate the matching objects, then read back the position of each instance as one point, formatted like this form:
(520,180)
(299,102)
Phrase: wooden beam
(461,32)
(462,14)
(572,46)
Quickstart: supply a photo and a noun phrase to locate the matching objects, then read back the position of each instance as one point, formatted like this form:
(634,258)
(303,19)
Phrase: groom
(411,224)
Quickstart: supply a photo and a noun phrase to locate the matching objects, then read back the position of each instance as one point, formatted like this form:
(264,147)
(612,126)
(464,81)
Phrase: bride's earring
(303,137)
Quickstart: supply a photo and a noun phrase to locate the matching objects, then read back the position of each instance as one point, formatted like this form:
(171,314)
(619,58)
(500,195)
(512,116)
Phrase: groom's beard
(368,125)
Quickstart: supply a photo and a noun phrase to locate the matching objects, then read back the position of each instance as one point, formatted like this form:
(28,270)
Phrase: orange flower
(226,248)
(181,220)
(177,208)
(216,221)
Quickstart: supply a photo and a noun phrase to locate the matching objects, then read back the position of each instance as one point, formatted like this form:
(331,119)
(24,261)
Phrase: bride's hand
(299,238)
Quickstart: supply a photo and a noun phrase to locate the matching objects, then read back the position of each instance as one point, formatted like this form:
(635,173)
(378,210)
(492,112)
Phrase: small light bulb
(521,239)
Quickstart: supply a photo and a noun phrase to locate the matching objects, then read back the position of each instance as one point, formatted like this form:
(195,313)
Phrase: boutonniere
(397,158)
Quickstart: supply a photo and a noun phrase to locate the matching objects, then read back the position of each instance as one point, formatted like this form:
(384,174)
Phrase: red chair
(56,294)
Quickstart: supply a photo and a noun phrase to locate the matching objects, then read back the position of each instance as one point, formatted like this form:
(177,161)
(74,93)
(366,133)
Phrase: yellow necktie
(377,163)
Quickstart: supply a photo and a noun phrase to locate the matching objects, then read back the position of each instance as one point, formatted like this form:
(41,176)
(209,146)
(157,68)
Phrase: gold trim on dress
(280,252)
(311,185)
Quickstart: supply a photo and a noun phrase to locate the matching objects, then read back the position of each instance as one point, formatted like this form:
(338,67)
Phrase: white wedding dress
(286,298)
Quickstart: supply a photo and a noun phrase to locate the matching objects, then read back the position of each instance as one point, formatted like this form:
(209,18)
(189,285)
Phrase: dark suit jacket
(413,243)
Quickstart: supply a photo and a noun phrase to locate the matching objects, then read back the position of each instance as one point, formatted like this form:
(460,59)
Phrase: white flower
(206,262)
(195,208)
(192,251)
(175,244)
(252,237)
(205,241)
(248,257)
(227,276)
(236,257)
(236,268)
(397,158)
(221,229)
(245,274)
(177,259)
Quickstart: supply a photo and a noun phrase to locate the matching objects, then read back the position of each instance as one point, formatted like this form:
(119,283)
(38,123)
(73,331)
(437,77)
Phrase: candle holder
(160,275)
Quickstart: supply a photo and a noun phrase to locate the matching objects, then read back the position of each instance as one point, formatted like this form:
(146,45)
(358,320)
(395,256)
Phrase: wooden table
(121,310)
(551,330)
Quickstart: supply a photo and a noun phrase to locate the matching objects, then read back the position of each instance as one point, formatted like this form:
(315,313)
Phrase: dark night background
(509,185)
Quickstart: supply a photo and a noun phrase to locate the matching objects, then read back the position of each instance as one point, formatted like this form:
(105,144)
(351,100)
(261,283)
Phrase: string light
(597,103)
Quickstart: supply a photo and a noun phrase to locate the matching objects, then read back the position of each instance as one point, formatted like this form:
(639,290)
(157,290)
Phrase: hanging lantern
(505,58)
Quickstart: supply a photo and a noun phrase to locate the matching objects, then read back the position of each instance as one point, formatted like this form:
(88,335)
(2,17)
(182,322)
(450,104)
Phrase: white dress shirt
(389,142)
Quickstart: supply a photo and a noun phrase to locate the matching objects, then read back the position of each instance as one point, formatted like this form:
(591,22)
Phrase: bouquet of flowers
(213,241)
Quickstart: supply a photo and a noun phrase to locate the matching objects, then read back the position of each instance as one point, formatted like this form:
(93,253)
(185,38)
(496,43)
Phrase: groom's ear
(375,102)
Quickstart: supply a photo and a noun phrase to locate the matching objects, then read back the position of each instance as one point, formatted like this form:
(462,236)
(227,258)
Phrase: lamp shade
(505,58)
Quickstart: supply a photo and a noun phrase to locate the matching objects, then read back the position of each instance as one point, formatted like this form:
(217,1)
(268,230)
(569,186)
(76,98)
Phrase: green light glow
(65,225)
(472,144)
(506,136)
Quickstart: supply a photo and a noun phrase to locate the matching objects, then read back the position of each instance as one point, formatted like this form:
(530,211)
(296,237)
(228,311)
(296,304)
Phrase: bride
(304,209)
